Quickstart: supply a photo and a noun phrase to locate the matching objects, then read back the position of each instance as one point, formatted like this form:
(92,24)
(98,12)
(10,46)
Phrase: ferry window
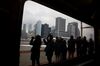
(41,20)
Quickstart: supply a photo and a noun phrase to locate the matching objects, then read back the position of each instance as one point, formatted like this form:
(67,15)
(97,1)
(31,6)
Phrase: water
(42,46)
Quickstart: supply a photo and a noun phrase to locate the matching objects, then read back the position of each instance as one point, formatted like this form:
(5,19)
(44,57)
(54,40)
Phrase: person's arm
(31,42)
(45,42)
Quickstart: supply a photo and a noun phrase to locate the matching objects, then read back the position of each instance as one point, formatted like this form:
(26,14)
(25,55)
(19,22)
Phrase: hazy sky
(34,12)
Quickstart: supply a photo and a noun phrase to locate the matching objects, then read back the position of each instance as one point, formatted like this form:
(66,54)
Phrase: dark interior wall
(10,19)
(97,45)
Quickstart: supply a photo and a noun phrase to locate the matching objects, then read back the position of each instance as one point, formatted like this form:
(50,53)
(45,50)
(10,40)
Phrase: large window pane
(41,20)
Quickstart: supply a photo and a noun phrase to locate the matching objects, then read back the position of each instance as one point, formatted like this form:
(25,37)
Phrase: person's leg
(37,60)
(68,54)
(72,54)
(64,56)
(77,52)
(49,59)
(33,62)
(56,58)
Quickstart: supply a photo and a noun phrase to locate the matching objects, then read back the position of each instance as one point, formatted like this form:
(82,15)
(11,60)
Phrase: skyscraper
(73,29)
(23,33)
(53,31)
(38,28)
(45,30)
(24,27)
(60,26)
(29,28)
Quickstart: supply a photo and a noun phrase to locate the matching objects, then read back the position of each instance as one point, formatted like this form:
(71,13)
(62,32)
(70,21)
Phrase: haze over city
(34,12)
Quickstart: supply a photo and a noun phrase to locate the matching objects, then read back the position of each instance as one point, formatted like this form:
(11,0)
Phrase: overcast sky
(34,12)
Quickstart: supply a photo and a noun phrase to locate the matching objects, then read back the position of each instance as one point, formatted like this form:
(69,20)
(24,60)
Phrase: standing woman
(35,51)
(71,47)
(31,41)
(57,48)
(91,47)
(49,48)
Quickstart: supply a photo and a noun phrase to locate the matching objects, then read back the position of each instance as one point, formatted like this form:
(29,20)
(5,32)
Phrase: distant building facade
(45,30)
(38,28)
(60,26)
(73,29)
(53,31)
(24,27)
(29,28)
(23,32)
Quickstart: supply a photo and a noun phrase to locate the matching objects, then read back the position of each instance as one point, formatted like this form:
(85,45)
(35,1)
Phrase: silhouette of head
(50,37)
(71,37)
(32,37)
(90,39)
(38,37)
(79,37)
(84,37)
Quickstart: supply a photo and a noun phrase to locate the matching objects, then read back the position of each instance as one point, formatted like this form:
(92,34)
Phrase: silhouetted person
(49,48)
(57,49)
(91,46)
(31,41)
(84,46)
(71,46)
(35,51)
(44,40)
(63,49)
(79,46)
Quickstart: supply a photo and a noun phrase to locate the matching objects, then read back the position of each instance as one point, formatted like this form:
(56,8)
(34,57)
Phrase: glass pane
(85,25)
(41,20)
(88,31)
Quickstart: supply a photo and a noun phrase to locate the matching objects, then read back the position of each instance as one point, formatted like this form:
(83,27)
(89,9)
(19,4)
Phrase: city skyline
(34,12)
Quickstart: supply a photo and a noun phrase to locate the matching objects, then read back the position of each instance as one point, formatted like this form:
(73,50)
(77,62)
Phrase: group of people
(82,46)
(60,48)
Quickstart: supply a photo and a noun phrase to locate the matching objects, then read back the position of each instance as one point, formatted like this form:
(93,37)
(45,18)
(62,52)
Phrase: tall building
(38,28)
(53,31)
(29,28)
(24,33)
(73,29)
(60,26)
(24,27)
(45,30)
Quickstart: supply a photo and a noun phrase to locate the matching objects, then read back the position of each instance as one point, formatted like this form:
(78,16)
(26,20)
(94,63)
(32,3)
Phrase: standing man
(35,51)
